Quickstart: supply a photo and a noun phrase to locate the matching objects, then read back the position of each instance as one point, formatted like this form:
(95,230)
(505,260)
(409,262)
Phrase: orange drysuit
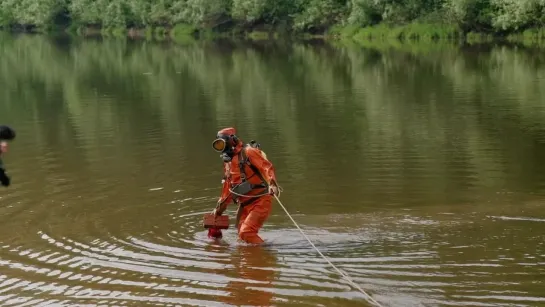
(252,212)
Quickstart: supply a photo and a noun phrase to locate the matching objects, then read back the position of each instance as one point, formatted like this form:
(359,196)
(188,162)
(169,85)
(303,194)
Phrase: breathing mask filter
(225,144)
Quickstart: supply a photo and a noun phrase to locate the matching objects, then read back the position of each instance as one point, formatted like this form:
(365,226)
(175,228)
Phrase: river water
(417,172)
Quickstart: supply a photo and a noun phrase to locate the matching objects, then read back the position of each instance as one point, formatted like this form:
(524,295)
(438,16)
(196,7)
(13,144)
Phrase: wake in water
(404,259)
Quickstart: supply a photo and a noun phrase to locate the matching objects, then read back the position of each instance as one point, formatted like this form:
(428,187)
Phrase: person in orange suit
(6,134)
(249,180)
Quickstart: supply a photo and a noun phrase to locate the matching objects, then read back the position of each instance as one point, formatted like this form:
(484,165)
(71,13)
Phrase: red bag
(214,233)
(212,221)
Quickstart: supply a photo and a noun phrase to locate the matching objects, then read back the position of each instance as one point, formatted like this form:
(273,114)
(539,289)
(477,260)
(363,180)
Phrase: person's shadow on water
(252,263)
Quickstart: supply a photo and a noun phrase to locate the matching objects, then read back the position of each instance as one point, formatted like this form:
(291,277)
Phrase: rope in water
(367,296)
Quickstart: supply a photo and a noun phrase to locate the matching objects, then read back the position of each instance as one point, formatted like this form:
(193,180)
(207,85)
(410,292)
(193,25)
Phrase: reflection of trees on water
(254,274)
(431,118)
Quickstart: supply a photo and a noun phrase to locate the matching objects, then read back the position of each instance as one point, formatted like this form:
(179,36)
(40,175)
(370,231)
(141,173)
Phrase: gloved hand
(273,190)
(4,179)
(217,212)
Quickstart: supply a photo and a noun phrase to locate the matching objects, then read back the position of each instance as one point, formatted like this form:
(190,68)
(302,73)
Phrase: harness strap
(241,162)
(245,160)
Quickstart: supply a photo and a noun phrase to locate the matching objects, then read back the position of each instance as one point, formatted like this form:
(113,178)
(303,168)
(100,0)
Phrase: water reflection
(252,268)
(426,125)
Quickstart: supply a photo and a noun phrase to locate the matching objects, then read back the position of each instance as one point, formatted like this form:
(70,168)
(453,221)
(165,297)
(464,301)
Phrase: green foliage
(249,11)
(534,34)
(478,38)
(470,14)
(313,16)
(143,13)
(35,13)
(320,14)
(183,30)
(517,14)
(258,35)
(476,15)
(365,12)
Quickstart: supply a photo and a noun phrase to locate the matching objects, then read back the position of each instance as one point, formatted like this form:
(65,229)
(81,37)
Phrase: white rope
(367,296)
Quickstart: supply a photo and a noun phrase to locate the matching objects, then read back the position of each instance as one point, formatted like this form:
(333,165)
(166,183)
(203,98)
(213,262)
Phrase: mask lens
(219,145)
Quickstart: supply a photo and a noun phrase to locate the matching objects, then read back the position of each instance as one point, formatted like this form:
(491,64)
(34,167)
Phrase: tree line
(311,16)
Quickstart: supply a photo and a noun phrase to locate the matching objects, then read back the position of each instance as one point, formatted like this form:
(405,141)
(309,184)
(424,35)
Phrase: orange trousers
(252,219)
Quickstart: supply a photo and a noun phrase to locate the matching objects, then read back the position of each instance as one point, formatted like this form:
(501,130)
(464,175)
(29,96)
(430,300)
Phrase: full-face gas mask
(225,144)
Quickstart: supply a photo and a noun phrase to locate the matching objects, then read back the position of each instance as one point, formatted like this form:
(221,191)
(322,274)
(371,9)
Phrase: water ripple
(403,270)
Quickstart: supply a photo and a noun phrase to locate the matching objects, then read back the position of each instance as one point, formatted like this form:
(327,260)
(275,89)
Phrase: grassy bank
(414,31)
(180,32)
(377,35)
(418,32)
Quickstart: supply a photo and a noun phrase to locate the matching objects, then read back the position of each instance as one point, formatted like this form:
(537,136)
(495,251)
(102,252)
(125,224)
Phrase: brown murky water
(420,175)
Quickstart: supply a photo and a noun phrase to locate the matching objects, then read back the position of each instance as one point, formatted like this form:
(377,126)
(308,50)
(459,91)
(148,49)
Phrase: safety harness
(242,160)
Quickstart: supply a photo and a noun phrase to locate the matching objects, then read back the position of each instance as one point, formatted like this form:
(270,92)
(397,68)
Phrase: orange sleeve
(265,167)
(226,196)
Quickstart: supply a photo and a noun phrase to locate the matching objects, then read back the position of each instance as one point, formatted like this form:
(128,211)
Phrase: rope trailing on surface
(367,296)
